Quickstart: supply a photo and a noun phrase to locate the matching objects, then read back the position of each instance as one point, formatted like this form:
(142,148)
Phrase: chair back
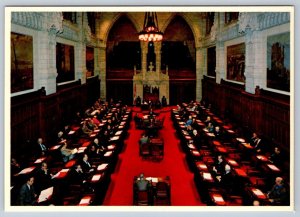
(142,198)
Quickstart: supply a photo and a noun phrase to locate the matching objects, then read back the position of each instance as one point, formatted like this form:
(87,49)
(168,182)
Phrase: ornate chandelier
(150,30)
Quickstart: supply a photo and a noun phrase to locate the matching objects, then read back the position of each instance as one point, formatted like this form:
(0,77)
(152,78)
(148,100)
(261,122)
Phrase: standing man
(27,193)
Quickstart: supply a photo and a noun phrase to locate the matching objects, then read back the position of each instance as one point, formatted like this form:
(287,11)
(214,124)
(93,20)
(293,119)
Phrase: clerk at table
(142,184)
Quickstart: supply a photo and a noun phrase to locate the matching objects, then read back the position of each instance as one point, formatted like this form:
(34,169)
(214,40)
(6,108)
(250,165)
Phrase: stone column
(157,47)
(144,51)
(199,72)
(220,62)
(102,70)
(255,55)
(80,63)
(47,71)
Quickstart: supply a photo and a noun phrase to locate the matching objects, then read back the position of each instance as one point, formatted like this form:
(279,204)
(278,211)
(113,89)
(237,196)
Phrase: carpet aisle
(130,164)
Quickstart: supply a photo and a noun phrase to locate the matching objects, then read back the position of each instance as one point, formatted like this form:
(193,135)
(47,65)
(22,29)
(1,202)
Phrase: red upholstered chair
(156,152)
(162,194)
(145,151)
(142,198)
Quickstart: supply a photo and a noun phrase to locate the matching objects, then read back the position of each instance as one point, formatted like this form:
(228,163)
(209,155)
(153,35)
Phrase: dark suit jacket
(85,167)
(38,150)
(27,196)
(42,180)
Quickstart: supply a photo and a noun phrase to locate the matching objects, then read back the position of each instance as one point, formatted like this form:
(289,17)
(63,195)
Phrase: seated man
(41,149)
(219,166)
(43,178)
(189,121)
(278,194)
(276,157)
(66,153)
(227,179)
(256,143)
(144,139)
(142,184)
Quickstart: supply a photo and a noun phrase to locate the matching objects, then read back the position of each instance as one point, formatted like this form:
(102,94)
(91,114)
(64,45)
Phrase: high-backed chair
(145,150)
(142,198)
(162,194)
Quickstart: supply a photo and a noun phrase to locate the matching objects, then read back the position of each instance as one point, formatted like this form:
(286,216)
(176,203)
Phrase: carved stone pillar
(157,47)
(220,62)
(102,71)
(199,72)
(46,50)
(255,50)
(144,51)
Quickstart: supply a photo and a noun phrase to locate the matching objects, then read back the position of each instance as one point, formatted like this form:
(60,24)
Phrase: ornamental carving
(55,22)
(247,21)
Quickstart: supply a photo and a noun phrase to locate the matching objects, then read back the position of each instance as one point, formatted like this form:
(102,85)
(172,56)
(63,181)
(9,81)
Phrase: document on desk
(45,195)
(152,179)
(257,192)
(218,198)
(27,170)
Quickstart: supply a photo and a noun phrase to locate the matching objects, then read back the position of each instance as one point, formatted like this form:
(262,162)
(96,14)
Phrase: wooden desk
(217,199)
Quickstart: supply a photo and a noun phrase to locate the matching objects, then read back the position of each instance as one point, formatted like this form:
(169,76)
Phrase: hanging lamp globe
(150,30)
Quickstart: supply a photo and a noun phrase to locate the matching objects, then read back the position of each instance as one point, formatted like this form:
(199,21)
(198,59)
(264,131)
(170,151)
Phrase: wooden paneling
(182,91)
(120,90)
(265,112)
(36,115)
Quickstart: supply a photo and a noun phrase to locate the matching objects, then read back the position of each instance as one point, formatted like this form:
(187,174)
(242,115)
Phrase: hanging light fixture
(150,30)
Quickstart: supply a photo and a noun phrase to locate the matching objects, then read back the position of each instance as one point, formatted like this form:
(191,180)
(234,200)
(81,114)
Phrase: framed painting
(65,63)
(278,61)
(236,62)
(21,62)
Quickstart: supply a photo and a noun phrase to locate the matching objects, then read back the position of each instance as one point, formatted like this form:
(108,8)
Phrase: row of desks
(100,176)
(201,157)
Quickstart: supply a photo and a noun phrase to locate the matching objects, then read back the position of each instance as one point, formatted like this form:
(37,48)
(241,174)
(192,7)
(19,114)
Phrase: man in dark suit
(226,179)
(278,194)
(77,175)
(219,167)
(86,165)
(41,149)
(27,193)
(43,178)
(256,142)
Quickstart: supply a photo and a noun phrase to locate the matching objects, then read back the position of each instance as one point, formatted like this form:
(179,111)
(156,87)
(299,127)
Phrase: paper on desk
(102,166)
(218,198)
(207,176)
(96,177)
(85,201)
(45,194)
(27,170)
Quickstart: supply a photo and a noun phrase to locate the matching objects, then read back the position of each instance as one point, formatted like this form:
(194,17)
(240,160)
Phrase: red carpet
(183,189)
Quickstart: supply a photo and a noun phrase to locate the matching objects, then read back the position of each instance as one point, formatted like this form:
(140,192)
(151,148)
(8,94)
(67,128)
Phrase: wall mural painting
(89,61)
(64,63)
(21,62)
(236,62)
(278,62)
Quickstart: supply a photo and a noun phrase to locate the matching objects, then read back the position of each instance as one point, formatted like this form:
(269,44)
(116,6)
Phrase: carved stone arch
(115,18)
(196,32)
